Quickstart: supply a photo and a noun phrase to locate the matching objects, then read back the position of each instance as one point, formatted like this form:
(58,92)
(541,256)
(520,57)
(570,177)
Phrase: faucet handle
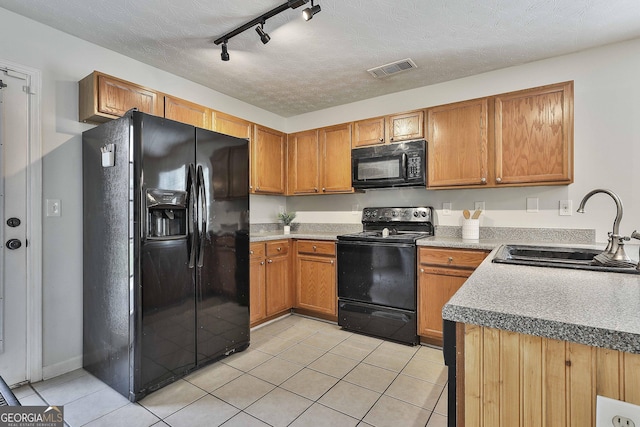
(635,235)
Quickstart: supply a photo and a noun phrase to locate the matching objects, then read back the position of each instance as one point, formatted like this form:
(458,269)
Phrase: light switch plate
(532,204)
(53,207)
(478,206)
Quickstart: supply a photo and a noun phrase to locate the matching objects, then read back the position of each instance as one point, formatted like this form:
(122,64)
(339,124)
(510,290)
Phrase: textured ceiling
(312,65)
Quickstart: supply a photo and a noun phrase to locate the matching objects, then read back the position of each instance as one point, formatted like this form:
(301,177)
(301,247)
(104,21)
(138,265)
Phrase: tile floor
(297,372)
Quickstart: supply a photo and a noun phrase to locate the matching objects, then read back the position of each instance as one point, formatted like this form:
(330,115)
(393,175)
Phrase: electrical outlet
(53,207)
(532,204)
(281,209)
(446,208)
(478,205)
(566,208)
(616,413)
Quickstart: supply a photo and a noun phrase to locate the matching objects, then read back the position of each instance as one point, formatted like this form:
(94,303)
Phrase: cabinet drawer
(256,250)
(316,247)
(461,258)
(278,247)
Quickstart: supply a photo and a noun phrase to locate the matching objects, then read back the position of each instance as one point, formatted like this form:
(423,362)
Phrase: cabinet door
(268,154)
(316,283)
(257,297)
(231,125)
(406,126)
(335,159)
(186,112)
(534,135)
(103,98)
(436,286)
(278,286)
(368,132)
(457,144)
(304,163)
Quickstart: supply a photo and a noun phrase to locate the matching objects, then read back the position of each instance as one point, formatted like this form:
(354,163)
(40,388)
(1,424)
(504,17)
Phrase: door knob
(13,244)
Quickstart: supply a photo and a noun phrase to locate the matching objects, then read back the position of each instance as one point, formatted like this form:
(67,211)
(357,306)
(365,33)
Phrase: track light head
(225,53)
(264,37)
(310,11)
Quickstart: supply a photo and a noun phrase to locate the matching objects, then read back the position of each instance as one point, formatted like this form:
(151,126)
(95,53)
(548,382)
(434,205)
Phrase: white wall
(63,61)
(606,145)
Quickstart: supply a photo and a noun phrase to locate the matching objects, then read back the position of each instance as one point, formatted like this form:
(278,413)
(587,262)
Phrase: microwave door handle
(404,167)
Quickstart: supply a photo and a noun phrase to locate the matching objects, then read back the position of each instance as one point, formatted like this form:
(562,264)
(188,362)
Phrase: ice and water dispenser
(166,214)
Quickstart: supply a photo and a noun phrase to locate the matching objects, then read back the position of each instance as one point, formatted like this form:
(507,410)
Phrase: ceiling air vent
(392,68)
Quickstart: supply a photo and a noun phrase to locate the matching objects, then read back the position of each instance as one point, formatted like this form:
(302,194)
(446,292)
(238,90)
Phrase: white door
(14,155)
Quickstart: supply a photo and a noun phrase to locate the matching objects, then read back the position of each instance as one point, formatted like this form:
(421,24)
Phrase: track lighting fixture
(264,37)
(225,53)
(260,20)
(310,11)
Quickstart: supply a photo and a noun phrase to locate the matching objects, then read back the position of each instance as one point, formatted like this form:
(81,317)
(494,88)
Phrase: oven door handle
(366,243)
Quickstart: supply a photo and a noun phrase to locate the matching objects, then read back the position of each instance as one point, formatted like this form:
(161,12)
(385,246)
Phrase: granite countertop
(593,308)
(277,235)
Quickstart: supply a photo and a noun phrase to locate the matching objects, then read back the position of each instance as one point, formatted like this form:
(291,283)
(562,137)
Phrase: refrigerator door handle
(191,214)
(203,215)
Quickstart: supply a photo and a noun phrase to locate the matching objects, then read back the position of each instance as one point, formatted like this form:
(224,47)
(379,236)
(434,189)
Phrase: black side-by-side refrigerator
(166,250)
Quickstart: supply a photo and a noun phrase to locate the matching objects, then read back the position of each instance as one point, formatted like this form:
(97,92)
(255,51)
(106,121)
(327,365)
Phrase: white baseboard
(62,367)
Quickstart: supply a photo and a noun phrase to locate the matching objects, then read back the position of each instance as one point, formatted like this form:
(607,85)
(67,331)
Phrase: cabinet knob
(251,187)
(250,252)
(270,261)
(498,179)
(279,249)
(381,139)
(483,180)
(332,262)
(450,259)
(315,189)
(315,247)
(422,270)
(257,188)
(261,262)
(324,189)
(391,139)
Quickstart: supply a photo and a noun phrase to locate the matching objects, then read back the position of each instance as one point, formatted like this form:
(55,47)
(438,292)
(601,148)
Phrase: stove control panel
(406,214)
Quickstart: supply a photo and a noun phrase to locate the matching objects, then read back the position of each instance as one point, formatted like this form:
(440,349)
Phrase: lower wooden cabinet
(441,272)
(316,277)
(271,292)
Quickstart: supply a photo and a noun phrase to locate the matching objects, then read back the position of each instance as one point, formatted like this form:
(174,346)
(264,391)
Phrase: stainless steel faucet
(613,254)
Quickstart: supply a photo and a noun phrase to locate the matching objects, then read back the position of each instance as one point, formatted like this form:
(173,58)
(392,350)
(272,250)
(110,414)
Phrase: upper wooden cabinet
(534,136)
(104,98)
(231,125)
(186,112)
(320,161)
(457,144)
(268,167)
(388,129)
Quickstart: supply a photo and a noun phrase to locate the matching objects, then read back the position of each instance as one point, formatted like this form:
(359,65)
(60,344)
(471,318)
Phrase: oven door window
(378,274)
(380,168)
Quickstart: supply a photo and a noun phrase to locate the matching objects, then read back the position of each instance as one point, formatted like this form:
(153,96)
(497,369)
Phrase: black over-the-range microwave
(392,165)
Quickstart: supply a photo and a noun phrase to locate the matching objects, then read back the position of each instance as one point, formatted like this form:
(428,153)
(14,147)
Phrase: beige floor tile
(213,376)
(426,370)
(333,364)
(301,354)
(243,391)
(390,412)
(437,420)
(321,416)
(350,399)
(161,424)
(325,340)
(442,408)
(371,377)
(388,359)
(32,400)
(309,383)
(415,391)
(430,353)
(296,333)
(279,407)
(23,391)
(404,350)
(352,349)
(247,360)
(172,398)
(60,379)
(207,411)
(88,408)
(130,415)
(275,345)
(68,391)
(276,371)
(244,420)
(366,339)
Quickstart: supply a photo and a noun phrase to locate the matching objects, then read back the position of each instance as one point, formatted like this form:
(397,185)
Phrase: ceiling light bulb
(310,11)
(225,53)
(264,37)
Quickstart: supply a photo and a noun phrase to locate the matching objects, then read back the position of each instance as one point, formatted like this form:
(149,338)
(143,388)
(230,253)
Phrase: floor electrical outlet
(616,413)
(566,208)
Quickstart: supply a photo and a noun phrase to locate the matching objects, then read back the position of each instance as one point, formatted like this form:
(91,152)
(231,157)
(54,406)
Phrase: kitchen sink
(555,256)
